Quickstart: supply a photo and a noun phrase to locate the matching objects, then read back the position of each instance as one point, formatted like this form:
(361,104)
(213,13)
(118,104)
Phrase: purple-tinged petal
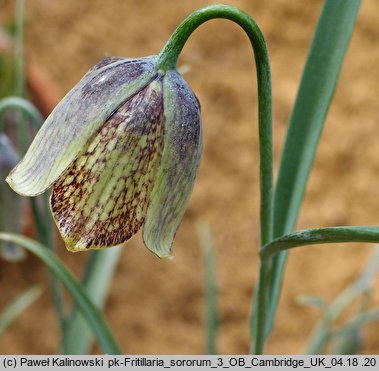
(178,168)
(76,119)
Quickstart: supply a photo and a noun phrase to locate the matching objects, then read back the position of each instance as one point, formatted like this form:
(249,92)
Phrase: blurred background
(157,306)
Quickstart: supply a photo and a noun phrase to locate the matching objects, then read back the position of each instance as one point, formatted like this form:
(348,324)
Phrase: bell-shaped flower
(121,150)
(12,207)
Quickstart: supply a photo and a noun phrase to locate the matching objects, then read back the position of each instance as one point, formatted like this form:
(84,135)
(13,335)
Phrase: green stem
(20,73)
(168,60)
(90,312)
(22,105)
(20,69)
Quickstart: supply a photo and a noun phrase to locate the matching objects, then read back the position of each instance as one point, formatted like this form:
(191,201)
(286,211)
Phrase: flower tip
(164,255)
(160,248)
(9,181)
(72,245)
(12,184)
(167,257)
(19,187)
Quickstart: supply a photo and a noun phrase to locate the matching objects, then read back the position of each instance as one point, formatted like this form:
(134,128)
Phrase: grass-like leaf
(211,289)
(101,265)
(318,236)
(362,319)
(331,235)
(313,301)
(19,305)
(39,205)
(85,305)
(316,91)
(322,332)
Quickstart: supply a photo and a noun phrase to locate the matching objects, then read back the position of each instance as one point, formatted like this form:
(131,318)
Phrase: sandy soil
(157,306)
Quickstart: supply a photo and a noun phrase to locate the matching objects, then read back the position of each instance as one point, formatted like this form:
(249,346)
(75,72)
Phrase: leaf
(313,301)
(350,342)
(318,236)
(323,332)
(211,288)
(315,94)
(360,320)
(99,272)
(18,306)
(93,316)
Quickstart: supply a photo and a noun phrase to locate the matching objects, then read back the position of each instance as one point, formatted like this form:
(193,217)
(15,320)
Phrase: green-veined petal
(180,161)
(102,197)
(76,119)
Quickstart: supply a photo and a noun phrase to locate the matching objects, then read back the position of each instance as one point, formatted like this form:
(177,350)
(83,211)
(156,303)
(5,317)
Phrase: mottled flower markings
(108,185)
(121,150)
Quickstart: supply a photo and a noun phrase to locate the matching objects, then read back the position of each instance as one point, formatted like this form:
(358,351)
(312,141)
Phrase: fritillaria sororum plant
(12,206)
(122,149)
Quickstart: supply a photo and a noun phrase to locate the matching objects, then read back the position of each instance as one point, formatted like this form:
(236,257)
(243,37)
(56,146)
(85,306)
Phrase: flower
(12,206)
(121,150)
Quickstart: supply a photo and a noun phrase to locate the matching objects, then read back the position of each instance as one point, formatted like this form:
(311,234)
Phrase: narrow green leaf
(316,91)
(90,312)
(349,343)
(211,289)
(97,279)
(313,301)
(39,205)
(321,236)
(19,44)
(322,332)
(19,305)
(361,320)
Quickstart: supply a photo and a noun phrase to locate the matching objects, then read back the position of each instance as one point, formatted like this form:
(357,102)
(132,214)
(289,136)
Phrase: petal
(101,199)
(76,119)
(179,164)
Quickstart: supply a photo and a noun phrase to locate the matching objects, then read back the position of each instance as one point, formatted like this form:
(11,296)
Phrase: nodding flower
(121,151)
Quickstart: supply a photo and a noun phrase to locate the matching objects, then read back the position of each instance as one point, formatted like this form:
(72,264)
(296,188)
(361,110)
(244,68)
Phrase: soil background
(155,306)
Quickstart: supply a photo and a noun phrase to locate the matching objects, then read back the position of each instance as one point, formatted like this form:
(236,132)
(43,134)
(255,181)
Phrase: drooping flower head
(121,150)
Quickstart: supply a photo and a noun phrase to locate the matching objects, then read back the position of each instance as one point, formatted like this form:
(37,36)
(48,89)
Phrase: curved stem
(20,82)
(23,105)
(85,305)
(168,60)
